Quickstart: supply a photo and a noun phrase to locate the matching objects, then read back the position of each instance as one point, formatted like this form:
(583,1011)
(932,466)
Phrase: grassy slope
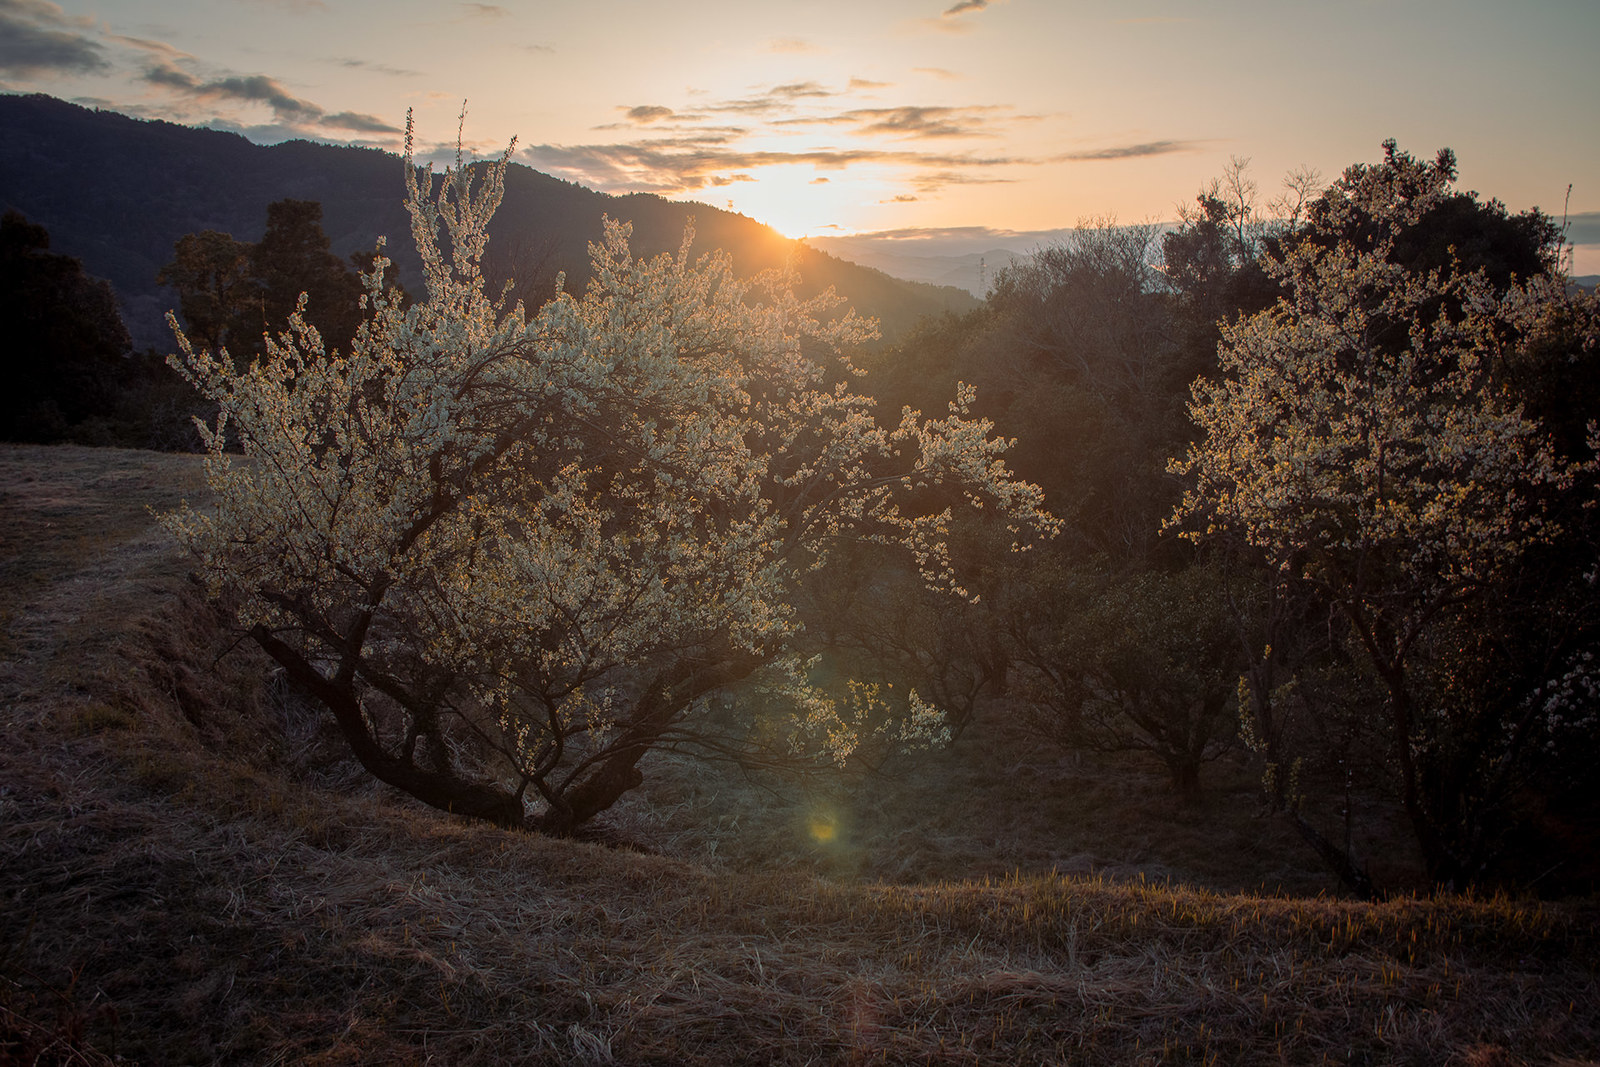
(184,878)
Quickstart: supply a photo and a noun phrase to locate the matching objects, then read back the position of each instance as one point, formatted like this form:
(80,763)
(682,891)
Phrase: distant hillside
(118,192)
(972,271)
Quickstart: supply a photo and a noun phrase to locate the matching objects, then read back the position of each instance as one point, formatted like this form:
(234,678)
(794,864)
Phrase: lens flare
(823,827)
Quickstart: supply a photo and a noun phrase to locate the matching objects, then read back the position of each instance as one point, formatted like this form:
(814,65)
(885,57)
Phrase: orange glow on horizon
(806,201)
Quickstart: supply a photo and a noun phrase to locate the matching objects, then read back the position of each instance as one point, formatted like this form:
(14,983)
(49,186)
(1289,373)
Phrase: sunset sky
(845,116)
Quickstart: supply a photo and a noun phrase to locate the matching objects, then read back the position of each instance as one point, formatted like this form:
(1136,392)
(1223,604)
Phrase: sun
(803,200)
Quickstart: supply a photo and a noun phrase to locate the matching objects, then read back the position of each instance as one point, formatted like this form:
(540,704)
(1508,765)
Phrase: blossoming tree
(514,552)
(1365,437)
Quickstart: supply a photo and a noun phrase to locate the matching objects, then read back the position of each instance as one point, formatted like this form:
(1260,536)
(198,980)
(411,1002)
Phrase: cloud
(798,90)
(948,240)
(288,109)
(933,181)
(254,89)
(485,11)
(777,99)
(940,233)
(903,198)
(39,38)
(156,48)
(1158,20)
(908,121)
(45,12)
(172,76)
(350,120)
(1131,151)
(648,113)
(667,151)
(937,72)
(686,164)
(376,68)
(791,46)
(953,19)
(277,132)
(1583,227)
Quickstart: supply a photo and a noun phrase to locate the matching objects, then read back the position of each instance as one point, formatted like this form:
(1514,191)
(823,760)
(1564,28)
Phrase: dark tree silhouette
(218,293)
(62,342)
(294,256)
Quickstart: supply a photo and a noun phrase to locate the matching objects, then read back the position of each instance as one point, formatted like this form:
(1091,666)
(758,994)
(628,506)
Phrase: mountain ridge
(117,192)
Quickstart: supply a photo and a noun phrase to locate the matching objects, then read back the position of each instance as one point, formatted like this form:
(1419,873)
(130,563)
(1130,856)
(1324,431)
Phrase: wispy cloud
(484,11)
(45,13)
(287,108)
(933,181)
(791,46)
(1129,151)
(685,165)
(909,121)
(649,113)
(1583,227)
(683,151)
(356,122)
(376,68)
(800,91)
(39,38)
(921,148)
(779,98)
(954,19)
(942,233)
(149,47)
(937,72)
(946,240)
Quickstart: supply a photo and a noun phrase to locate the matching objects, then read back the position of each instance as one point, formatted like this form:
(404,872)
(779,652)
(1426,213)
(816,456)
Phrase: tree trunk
(1338,860)
(437,789)
(617,773)
(1440,866)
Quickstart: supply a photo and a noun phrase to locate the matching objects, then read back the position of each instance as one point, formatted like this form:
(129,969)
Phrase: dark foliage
(1459,232)
(232,292)
(63,348)
(294,257)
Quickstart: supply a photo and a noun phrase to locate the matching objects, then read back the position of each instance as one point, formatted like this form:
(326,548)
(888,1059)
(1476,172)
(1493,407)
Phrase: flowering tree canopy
(513,552)
(1367,438)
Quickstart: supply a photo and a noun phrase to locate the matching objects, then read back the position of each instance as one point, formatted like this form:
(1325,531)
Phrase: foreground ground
(189,874)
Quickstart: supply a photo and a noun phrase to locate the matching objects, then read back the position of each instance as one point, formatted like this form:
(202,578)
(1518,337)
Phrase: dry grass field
(190,873)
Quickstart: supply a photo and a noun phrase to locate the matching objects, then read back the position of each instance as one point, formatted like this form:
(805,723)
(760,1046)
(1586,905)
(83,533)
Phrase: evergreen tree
(232,293)
(218,293)
(293,257)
